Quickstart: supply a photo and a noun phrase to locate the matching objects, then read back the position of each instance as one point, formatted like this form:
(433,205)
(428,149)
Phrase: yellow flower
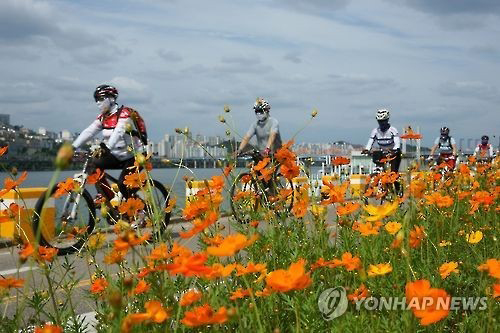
(392,227)
(379,212)
(96,241)
(447,268)
(379,269)
(444,243)
(475,237)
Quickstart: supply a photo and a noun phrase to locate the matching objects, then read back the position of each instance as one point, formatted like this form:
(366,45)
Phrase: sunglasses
(100,98)
(259,111)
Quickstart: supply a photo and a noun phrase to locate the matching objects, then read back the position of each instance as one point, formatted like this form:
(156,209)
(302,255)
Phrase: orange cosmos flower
(379,269)
(190,297)
(250,268)
(129,239)
(360,293)
(131,206)
(325,263)
(8,283)
(154,312)
(463,194)
(481,198)
(333,193)
(392,227)
(349,262)
(262,164)
(200,224)
(367,229)
(496,290)
(192,265)
(380,212)
(64,187)
(264,293)
(142,287)
(294,278)
(417,188)
(98,286)
(447,268)
(159,253)
(411,136)
(3,150)
(135,180)
(11,184)
(347,208)
(115,257)
(340,160)
(47,253)
(428,304)
(289,171)
(492,266)
(284,155)
(49,328)
(240,293)
(95,177)
(219,270)
(266,174)
(204,315)
(26,252)
(416,236)
(299,208)
(439,200)
(231,244)
(195,208)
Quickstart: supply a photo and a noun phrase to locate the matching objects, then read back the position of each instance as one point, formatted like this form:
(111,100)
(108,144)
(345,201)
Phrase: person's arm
(118,132)
(272,135)
(433,149)
(371,140)
(88,133)
(491,151)
(454,146)
(397,139)
(246,139)
(476,151)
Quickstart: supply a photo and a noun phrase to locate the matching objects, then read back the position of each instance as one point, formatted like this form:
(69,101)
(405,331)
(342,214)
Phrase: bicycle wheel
(156,199)
(280,194)
(244,198)
(73,216)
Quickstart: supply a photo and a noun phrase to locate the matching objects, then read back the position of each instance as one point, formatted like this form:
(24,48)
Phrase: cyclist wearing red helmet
(112,122)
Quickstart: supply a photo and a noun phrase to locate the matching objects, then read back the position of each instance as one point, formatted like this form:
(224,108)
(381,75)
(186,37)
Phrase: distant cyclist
(265,129)
(484,150)
(447,148)
(385,139)
(112,122)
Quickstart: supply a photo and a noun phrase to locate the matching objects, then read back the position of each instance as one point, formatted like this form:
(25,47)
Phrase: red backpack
(140,130)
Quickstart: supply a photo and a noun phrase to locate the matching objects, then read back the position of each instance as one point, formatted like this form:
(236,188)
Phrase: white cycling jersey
(387,140)
(112,127)
(484,150)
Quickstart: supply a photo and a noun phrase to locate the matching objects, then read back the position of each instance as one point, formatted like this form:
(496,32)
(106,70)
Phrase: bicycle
(249,192)
(382,182)
(74,211)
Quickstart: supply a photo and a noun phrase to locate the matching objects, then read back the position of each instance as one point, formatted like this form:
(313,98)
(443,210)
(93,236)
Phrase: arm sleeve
(118,132)
(491,151)
(452,141)
(275,126)
(88,133)
(476,150)
(371,140)
(251,131)
(436,142)
(397,139)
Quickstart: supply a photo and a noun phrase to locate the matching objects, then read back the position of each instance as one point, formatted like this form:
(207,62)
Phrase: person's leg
(395,168)
(105,162)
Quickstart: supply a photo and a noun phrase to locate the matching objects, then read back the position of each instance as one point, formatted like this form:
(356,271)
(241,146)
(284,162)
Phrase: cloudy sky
(431,62)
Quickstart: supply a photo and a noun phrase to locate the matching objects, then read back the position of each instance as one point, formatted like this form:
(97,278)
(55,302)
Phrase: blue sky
(432,63)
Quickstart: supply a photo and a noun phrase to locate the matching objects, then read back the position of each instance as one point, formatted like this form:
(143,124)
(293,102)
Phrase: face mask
(384,125)
(444,136)
(105,105)
(484,142)
(261,116)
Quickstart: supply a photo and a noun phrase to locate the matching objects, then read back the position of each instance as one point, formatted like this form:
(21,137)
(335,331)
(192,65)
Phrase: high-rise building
(5,119)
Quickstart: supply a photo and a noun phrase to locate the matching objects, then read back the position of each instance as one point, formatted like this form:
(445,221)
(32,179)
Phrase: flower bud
(178,131)
(228,132)
(314,113)
(64,156)
(129,128)
(115,188)
(222,119)
(227,109)
(13,171)
(140,159)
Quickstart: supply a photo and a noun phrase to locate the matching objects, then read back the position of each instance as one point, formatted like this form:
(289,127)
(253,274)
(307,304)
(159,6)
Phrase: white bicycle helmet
(261,105)
(382,114)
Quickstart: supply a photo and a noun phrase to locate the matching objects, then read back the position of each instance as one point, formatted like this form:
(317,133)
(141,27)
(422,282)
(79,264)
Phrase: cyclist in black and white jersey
(385,139)
(484,150)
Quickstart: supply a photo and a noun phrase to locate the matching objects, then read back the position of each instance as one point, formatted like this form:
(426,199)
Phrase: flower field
(436,243)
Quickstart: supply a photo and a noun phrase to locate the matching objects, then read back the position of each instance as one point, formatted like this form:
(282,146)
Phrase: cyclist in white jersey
(447,148)
(484,150)
(385,139)
(265,129)
(111,122)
